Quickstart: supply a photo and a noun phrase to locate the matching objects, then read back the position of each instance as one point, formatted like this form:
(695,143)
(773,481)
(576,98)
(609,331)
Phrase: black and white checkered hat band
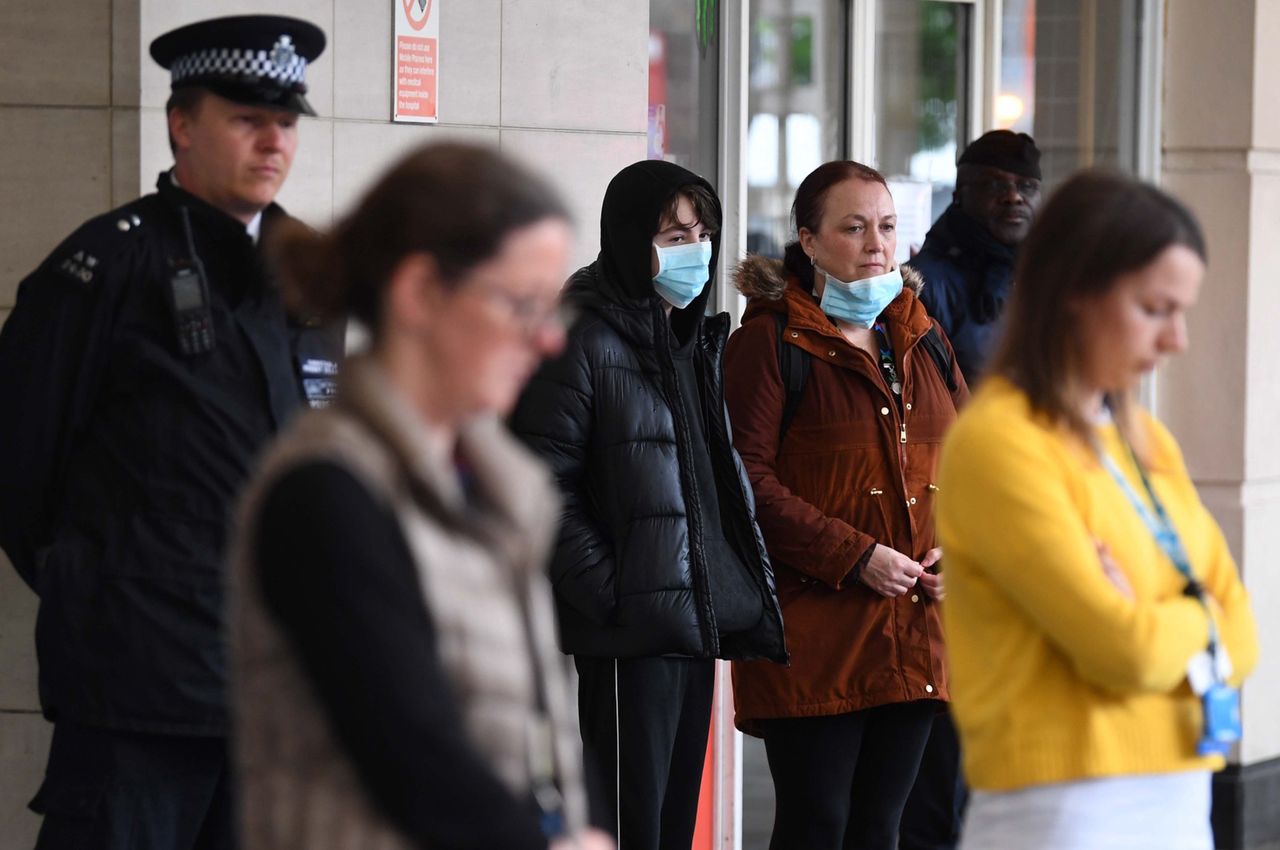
(247,65)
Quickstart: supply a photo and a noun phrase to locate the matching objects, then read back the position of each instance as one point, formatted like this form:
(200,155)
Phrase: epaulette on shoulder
(83,255)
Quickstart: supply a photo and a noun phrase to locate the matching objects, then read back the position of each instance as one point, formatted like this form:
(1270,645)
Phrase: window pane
(922,106)
(1070,77)
(796,104)
(684,80)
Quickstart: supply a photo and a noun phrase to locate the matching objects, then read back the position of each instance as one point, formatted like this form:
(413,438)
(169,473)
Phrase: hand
(932,581)
(589,839)
(1112,570)
(889,572)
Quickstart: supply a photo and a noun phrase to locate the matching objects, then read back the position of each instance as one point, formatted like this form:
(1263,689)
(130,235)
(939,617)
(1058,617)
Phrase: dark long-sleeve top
(337,574)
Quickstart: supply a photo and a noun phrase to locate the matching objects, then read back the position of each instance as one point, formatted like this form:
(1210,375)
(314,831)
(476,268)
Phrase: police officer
(145,363)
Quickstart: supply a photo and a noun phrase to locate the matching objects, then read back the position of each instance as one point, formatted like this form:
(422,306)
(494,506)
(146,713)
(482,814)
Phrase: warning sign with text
(416,61)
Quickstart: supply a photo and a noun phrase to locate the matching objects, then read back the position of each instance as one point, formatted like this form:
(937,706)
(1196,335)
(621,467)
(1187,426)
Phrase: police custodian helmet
(253,59)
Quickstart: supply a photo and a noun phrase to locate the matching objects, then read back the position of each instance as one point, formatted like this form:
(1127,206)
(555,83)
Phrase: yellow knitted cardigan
(1055,674)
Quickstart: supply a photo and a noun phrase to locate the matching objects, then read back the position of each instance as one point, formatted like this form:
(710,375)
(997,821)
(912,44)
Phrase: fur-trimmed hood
(765,278)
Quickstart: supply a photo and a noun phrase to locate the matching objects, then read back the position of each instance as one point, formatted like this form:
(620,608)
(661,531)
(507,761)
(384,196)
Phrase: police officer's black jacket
(635,569)
(120,458)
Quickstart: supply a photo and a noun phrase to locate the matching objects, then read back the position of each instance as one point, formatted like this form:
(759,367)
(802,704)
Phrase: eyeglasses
(528,313)
(999,187)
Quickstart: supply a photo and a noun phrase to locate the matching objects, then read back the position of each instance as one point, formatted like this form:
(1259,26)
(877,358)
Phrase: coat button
(911,501)
(928,689)
(123,225)
(794,335)
(915,597)
(884,411)
(831,354)
(908,405)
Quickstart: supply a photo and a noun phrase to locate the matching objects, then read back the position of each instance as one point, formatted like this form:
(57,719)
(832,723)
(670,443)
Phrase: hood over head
(628,222)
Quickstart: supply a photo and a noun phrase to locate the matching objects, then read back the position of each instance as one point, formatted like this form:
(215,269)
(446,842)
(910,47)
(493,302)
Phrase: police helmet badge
(282,53)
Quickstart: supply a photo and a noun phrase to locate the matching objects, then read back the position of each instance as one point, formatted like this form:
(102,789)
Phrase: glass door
(924,106)
(797,119)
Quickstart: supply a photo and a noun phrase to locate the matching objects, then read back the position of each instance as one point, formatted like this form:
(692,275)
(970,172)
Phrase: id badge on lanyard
(1208,670)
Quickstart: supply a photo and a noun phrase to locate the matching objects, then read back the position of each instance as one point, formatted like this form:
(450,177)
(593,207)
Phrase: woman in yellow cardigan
(1096,624)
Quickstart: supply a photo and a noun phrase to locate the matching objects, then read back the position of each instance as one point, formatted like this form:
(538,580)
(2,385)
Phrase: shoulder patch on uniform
(84,255)
(80,265)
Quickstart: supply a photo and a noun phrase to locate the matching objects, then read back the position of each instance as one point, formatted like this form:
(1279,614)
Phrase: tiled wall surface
(560,84)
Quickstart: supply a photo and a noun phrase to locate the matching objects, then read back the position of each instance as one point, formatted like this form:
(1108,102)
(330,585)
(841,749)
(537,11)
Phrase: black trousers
(110,790)
(841,780)
(644,726)
(935,808)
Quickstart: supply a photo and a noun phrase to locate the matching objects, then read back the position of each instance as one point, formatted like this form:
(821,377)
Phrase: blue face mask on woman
(683,270)
(860,301)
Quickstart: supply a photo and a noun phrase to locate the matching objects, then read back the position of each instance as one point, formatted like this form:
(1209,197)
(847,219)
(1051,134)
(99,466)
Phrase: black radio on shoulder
(189,305)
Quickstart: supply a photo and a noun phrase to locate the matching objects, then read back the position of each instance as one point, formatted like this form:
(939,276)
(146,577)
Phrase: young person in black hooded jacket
(659,567)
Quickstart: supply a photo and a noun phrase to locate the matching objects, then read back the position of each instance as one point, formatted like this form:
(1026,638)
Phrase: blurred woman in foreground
(396,677)
(1096,624)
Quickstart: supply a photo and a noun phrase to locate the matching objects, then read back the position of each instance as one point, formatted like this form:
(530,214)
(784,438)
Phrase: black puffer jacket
(630,569)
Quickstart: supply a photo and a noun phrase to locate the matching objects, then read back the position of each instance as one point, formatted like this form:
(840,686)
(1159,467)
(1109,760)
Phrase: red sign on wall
(416,61)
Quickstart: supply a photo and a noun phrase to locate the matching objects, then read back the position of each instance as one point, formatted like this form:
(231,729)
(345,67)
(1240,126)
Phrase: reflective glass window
(796,103)
(923,85)
(684,85)
(1070,77)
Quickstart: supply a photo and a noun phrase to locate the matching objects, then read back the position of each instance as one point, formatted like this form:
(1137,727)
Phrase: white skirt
(1145,812)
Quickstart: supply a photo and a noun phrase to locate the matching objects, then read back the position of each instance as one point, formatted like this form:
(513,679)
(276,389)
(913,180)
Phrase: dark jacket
(630,569)
(120,458)
(969,276)
(852,471)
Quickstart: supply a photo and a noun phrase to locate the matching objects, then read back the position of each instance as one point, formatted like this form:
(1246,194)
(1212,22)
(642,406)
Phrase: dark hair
(186,99)
(705,207)
(806,210)
(455,202)
(1097,227)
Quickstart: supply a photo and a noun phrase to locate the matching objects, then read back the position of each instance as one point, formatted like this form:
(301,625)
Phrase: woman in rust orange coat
(845,491)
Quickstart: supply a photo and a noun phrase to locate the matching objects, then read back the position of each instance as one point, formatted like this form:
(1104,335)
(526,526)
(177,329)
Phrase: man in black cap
(967,256)
(967,263)
(146,362)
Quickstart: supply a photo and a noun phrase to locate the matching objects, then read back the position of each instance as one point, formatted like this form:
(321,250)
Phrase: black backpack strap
(793,365)
(941,357)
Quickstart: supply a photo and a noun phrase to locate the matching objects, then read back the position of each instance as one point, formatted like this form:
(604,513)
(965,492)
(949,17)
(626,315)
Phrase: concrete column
(1222,400)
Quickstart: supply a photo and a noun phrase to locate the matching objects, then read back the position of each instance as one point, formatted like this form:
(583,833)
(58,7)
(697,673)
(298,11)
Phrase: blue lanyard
(1161,528)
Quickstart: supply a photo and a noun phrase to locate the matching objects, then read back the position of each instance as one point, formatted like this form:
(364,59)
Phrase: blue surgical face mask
(860,301)
(683,270)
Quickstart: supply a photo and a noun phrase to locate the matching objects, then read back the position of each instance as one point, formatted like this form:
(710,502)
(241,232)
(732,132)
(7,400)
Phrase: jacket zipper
(692,505)
(902,430)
